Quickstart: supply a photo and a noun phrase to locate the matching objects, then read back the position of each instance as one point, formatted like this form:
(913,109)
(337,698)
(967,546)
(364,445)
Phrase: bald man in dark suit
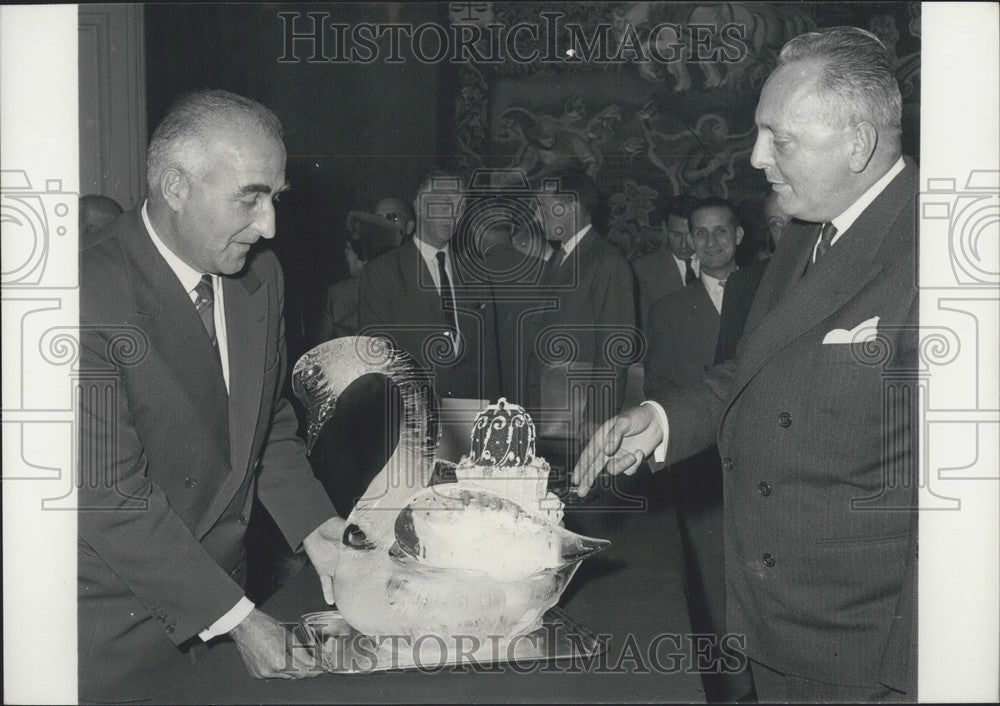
(817,432)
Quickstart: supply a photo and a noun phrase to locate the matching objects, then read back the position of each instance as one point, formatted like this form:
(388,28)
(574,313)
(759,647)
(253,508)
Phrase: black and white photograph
(440,352)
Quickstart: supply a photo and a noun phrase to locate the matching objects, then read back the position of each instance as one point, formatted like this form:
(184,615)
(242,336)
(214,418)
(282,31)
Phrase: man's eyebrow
(263,189)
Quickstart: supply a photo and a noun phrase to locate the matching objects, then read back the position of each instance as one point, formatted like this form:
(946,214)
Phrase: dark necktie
(205,304)
(447,298)
(689,275)
(555,260)
(825,240)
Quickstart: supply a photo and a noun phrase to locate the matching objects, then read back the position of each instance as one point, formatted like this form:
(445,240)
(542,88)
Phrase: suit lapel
(671,274)
(798,303)
(165,312)
(246,339)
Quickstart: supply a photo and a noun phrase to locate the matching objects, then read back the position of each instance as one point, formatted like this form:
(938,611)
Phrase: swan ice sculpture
(484,556)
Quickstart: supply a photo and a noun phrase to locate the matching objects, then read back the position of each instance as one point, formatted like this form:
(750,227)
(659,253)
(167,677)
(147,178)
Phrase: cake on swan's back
(485,555)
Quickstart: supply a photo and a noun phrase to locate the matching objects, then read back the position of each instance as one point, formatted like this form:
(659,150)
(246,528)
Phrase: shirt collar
(188,276)
(570,244)
(429,252)
(714,281)
(682,264)
(846,219)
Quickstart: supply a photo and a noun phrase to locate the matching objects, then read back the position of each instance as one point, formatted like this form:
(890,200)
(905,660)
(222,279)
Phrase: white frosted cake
(503,461)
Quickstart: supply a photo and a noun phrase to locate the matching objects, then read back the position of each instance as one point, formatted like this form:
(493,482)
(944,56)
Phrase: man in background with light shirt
(417,297)
(816,417)
(586,297)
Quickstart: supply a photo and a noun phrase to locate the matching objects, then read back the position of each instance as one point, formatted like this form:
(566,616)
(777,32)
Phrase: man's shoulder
(388,262)
(338,290)
(680,301)
(652,263)
(106,265)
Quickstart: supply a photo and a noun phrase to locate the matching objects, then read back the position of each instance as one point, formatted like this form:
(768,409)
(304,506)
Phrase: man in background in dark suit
(817,434)
(683,331)
(182,417)
(582,342)
(672,265)
(399,213)
(417,297)
(684,326)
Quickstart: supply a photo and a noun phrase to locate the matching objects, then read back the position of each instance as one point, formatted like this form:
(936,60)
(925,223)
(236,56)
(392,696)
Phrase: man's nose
(761,155)
(266,218)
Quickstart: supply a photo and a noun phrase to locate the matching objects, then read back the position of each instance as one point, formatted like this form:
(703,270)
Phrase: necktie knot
(689,273)
(204,303)
(826,236)
(204,294)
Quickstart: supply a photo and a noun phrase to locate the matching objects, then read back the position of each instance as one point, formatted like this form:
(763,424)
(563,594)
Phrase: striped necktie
(826,236)
(205,304)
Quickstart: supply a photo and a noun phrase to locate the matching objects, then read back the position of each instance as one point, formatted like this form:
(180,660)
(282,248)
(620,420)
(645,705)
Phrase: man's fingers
(626,462)
(603,444)
(327,583)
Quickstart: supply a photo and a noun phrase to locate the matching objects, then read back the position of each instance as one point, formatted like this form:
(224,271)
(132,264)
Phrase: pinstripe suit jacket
(819,452)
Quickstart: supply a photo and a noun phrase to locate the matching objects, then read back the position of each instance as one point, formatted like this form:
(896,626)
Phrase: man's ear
(863,146)
(175,188)
(739,234)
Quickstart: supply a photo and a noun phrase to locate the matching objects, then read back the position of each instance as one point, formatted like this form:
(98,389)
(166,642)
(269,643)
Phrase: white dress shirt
(846,219)
(682,266)
(570,245)
(715,289)
(842,222)
(189,278)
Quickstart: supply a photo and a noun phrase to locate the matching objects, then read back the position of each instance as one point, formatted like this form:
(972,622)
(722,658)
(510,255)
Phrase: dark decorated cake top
(503,435)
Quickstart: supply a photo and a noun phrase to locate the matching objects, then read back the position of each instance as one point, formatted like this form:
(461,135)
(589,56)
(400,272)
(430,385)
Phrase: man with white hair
(182,418)
(816,418)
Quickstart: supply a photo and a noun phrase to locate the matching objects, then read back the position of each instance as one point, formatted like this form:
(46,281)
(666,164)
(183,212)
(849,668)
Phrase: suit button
(727,463)
(764,489)
(169,629)
(190,482)
(768,560)
(244,519)
(785,419)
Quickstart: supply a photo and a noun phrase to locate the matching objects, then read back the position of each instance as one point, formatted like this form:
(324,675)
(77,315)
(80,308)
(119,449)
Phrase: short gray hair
(191,119)
(858,74)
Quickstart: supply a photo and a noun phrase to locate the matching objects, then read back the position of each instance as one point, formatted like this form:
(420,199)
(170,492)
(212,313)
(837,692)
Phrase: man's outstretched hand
(620,445)
(323,546)
(263,644)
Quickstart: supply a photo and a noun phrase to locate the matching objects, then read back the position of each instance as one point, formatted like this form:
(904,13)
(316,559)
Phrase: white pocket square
(863,332)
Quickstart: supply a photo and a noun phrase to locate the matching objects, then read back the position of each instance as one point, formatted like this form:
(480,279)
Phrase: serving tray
(346,651)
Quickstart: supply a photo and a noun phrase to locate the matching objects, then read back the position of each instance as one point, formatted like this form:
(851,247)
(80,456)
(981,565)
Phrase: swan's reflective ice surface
(443,560)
